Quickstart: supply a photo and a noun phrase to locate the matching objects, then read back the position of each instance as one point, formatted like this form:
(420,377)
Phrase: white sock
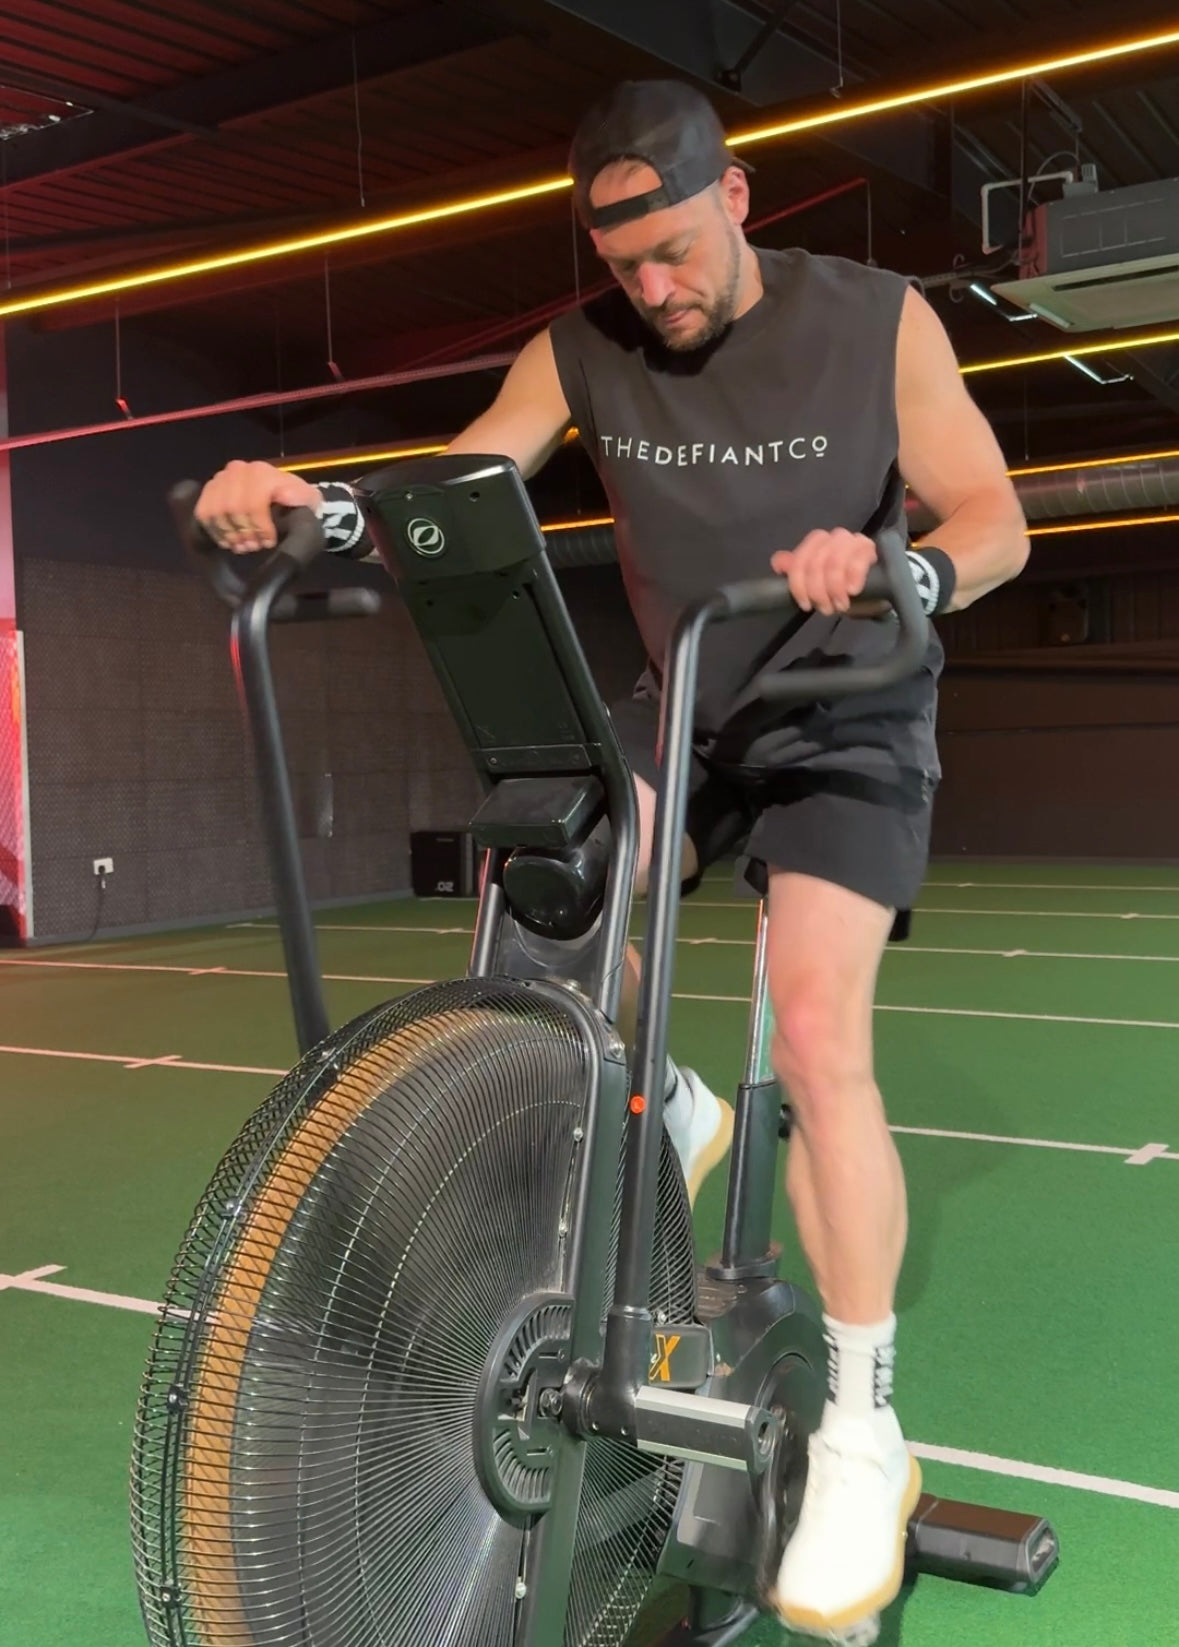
(674,1086)
(677,1108)
(860,1368)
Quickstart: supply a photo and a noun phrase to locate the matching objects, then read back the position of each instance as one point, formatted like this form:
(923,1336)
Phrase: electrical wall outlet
(104,866)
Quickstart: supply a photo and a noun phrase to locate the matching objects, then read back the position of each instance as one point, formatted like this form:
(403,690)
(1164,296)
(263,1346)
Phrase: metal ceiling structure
(135,135)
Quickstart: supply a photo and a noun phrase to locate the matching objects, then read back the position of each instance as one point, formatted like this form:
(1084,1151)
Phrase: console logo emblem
(425,536)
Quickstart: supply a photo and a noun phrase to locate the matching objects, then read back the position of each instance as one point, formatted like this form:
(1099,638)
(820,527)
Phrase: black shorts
(870,835)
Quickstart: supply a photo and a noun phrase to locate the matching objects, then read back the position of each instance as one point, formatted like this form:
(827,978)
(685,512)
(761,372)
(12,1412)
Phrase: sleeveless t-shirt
(715,458)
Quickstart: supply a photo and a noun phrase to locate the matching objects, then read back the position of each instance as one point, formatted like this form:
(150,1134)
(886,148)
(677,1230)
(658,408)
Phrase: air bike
(437,1366)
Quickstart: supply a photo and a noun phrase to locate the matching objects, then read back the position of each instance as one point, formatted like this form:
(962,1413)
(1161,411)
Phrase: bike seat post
(747,1252)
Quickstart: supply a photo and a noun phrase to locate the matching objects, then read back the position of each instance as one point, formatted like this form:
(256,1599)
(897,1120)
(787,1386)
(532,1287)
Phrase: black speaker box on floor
(442,863)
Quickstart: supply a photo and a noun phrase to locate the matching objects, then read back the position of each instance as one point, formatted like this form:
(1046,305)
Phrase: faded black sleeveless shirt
(713,459)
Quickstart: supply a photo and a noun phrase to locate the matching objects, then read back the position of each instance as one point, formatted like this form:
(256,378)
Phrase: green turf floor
(1034,1003)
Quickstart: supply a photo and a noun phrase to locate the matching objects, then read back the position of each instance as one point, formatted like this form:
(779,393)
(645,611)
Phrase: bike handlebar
(300,541)
(889,580)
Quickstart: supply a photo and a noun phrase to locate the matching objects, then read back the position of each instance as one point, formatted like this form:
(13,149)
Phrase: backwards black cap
(667,124)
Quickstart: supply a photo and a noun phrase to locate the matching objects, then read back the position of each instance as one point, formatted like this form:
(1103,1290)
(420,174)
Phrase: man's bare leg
(847,1192)
(844,1176)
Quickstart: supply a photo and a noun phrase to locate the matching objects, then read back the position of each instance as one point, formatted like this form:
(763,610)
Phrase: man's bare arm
(529,417)
(950,458)
(526,422)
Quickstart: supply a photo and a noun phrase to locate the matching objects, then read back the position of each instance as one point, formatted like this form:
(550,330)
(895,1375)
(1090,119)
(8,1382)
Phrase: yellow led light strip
(1141,340)
(283,248)
(344,460)
(1095,463)
(572,525)
(351,459)
(1101,523)
(956,88)
(551,185)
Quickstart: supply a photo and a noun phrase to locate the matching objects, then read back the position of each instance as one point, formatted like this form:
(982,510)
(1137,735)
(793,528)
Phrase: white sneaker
(846,1559)
(700,1125)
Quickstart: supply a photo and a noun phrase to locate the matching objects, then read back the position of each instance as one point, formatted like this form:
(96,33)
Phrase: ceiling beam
(705,38)
(1158,375)
(313,68)
(85,101)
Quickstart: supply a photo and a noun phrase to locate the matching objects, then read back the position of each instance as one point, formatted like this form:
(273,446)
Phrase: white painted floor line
(986,885)
(31,1281)
(678,995)
(207,971)
(923,910)
(1107,1486)
(986,1463)
(969,1012)
(1033,1017)
(1139,1155)
(1128,887)
(1132,1157)
(1025,954)
(953,949)
(171,1061)
(366,926)
(1047,914)
(696,943)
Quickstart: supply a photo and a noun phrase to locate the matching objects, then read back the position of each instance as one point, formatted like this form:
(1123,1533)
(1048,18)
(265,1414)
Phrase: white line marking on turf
(730,943)
(1031,1017)
(170,1062)
(972,1012)
(933,882)
(1105,1485)
(1025,954)
(1051,886)
(31,1281)
(366,926)
(1140,1155)
(201,972)
(1149,1152)
(987,1463)
(1132,1158)
(1048,914)
(679,995)
(28,1275)
(923,910)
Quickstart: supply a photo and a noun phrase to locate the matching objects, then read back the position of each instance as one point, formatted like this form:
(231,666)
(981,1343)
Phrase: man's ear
(734,193)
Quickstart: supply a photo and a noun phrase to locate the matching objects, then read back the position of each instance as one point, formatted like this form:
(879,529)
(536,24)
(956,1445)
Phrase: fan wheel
(338,1441)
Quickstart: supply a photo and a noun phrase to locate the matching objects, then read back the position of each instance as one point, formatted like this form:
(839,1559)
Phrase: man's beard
(718,316)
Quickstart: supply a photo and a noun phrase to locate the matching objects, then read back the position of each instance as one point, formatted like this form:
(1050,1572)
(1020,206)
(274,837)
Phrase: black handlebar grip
(217,564)
(353,603)
(312,606)
(890,579)
(761,595)
(299,534)
(877,585)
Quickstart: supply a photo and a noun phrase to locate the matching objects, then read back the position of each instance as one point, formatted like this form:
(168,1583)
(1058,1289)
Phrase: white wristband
(344,528)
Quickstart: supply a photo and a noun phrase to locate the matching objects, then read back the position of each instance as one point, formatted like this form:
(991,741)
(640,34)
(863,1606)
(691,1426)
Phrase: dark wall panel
(1059,766)
(136,750)
(103,497)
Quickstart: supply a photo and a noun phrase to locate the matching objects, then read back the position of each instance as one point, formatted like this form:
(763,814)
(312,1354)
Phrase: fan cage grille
(301,1419)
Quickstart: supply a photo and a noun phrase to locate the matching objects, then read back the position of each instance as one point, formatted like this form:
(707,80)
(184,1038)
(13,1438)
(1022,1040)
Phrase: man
(747,409)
